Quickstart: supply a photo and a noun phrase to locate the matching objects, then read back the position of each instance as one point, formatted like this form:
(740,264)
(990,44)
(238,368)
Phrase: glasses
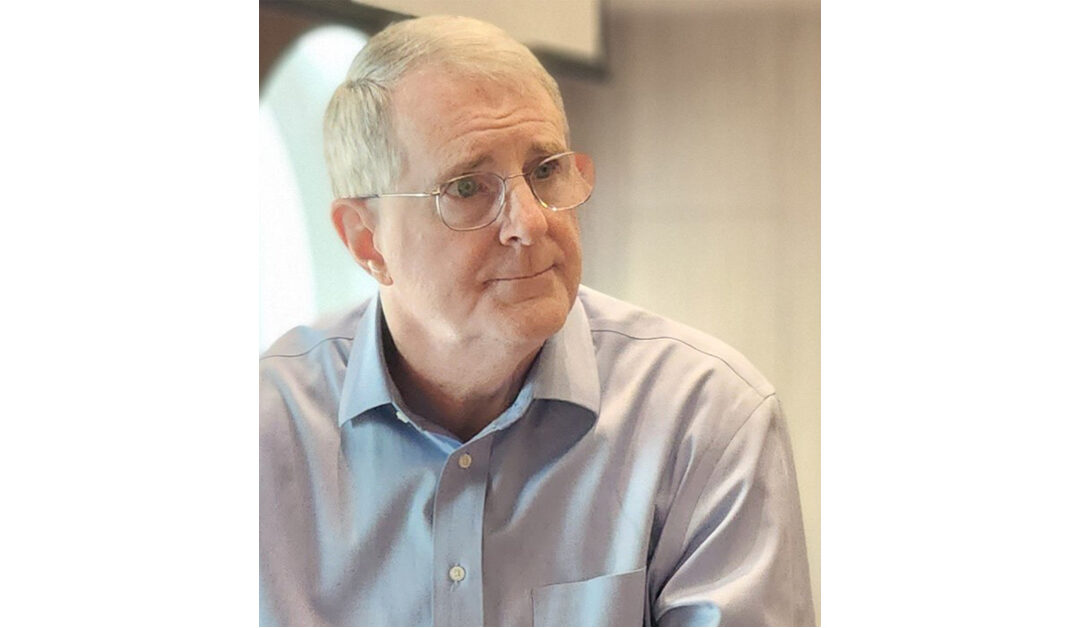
(475,200)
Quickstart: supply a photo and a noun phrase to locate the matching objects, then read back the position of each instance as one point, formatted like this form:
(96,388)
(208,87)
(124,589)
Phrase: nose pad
(526,218)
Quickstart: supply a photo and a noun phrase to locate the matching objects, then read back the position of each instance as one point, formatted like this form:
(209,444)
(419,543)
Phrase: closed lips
(525,276)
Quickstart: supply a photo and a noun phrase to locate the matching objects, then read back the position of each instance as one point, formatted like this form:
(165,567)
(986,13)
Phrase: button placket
(457,535)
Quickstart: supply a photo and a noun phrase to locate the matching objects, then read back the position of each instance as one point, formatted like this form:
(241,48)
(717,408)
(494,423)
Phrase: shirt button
(401,416)
(465,461)
(457,573)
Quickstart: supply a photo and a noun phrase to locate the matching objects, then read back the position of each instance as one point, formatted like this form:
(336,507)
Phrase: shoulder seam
(313,347)
(701,351)
(745,421)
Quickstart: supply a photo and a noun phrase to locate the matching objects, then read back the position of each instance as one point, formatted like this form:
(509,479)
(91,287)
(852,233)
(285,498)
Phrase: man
(484,442)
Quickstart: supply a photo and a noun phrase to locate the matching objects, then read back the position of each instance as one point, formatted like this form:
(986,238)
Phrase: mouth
(529,276)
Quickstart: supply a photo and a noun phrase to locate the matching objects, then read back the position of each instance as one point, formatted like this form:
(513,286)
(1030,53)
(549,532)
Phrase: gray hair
(361,150)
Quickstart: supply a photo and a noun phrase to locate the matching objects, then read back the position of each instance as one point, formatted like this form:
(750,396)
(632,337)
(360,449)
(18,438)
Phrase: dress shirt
(643,476)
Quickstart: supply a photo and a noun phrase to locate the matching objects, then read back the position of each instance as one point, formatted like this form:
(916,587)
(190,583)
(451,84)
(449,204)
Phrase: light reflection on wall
(304,270)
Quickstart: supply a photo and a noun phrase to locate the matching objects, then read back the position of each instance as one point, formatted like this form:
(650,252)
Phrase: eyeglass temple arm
(415,195)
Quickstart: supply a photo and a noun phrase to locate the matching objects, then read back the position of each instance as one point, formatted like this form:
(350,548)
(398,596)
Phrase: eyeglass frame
(504,183)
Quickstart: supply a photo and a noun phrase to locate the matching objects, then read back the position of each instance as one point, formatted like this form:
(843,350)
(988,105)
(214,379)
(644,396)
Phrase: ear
(355,225)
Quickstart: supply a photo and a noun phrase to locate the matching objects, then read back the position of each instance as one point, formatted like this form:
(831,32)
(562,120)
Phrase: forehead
(443,116)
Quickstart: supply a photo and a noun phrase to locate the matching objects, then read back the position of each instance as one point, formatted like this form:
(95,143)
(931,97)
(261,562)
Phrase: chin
(533,321)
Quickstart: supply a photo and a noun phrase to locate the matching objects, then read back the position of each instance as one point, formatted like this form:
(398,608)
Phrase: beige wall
(569,27)
(707,208)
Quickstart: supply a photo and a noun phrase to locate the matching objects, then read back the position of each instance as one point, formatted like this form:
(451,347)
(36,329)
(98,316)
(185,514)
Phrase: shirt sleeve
(732,551)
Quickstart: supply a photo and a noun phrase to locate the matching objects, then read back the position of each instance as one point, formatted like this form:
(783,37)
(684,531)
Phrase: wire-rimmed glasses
(475,200)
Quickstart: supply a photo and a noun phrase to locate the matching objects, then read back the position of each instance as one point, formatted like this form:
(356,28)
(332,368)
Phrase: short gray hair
(362,154)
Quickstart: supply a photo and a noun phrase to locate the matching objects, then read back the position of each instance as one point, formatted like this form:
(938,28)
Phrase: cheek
(419,258)
(451,271)
(568,236)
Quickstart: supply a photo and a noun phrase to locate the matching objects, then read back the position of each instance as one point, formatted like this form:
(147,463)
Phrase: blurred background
(704,121)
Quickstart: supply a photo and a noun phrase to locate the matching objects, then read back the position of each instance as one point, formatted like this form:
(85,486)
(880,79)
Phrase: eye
(546,170)
(464,187)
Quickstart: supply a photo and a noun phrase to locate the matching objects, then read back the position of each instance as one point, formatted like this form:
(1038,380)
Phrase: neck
(461,386)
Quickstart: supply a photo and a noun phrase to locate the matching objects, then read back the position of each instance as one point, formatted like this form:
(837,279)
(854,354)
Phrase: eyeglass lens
(475,200)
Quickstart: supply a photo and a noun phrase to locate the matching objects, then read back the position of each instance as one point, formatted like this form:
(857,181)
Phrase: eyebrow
(545,148)
(461,168)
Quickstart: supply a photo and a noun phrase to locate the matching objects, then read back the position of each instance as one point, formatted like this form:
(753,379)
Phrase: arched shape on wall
(304,270)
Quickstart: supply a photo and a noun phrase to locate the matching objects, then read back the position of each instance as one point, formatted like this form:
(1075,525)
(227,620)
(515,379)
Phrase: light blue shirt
(643,476)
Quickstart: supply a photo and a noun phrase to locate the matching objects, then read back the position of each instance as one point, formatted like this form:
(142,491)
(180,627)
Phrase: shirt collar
(565,370)
(367,380)
(566,367)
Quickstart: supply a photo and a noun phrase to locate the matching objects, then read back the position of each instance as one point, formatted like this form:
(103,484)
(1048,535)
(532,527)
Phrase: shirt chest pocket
(615,600)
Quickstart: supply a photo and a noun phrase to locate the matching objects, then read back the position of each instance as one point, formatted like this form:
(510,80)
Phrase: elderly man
(484,441)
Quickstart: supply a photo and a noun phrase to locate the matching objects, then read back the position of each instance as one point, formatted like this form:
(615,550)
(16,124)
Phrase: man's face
(512,281)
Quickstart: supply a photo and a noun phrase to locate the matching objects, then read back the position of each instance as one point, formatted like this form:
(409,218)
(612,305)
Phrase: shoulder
(629,337)
(328,333)
(674,396)
(308,362)
(311,345)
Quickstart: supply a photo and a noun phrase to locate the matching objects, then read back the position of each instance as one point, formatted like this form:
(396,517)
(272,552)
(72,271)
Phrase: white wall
(305,271)
(707,207)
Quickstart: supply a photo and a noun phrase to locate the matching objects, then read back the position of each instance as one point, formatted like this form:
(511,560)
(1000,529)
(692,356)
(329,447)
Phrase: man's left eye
(545,170)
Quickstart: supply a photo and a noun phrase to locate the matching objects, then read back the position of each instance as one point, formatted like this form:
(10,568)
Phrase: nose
(525,220)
